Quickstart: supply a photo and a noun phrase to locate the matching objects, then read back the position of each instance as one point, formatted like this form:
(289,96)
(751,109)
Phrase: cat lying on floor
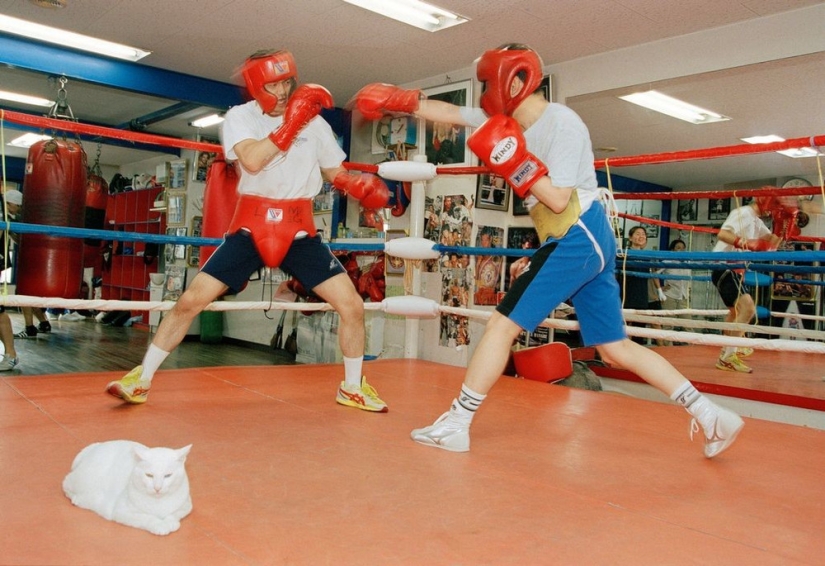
(128,483)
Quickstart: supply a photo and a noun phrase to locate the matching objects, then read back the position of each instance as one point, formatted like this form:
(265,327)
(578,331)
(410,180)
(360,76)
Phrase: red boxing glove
(756,245)
(369,189)
(784,223)
(377,99)
(500,144)
(304,105)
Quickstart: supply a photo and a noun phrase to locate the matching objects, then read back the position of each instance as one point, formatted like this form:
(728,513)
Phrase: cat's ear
(183,452)
(142,452)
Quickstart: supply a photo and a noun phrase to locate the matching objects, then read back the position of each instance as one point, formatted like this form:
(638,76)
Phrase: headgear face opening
(270,67)
(496,70)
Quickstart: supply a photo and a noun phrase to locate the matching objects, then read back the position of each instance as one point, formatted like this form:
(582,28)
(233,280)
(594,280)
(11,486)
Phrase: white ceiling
(344,47)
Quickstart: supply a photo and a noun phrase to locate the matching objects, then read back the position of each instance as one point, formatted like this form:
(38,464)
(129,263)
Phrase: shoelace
(694,428)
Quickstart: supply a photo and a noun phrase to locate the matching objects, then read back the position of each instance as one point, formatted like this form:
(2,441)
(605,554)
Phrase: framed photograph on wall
(193,253)
(446,144)
(177,174)
(519,208)
(175,208)
(718,209)
(204,159)
(394,265)
(492,193)
(546,87)
(687,210)
(653,229)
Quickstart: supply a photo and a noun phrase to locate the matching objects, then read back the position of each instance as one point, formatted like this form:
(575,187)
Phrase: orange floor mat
(281,474)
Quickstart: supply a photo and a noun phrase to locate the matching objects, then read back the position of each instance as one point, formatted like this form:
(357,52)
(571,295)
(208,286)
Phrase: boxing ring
(281,474)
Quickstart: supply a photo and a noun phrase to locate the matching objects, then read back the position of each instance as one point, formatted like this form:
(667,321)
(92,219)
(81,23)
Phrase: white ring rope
(419,307)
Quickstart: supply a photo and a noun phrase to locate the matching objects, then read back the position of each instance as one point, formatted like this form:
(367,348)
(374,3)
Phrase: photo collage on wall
(448,221)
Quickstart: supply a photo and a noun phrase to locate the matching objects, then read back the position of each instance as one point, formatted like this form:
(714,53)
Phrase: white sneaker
(718,438)
(7,363)
(444,433)
(72,317)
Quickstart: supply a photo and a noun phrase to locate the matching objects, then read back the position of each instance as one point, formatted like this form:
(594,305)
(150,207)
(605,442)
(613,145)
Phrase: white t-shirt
(560,139)
(745,223)
(294,174)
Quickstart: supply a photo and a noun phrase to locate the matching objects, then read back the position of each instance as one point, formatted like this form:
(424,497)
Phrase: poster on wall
(444,143)
(455,292)
(488,268)
(524,238)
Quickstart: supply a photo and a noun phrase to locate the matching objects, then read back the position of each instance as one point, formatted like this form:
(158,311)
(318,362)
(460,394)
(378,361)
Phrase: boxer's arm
(440,111)
(555,198)
(253,155)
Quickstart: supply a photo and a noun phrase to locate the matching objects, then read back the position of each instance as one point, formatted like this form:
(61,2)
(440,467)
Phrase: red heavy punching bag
(97,195)
(220,195)
(55,195)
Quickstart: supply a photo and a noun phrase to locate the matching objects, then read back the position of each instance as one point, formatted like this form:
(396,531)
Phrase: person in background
(744,230)
(544,151)
(641,293)
(677,291)
(284,152)
(12,201)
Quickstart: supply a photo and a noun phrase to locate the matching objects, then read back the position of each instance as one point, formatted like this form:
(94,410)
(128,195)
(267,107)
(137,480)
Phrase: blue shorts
(580,268)
(308,260)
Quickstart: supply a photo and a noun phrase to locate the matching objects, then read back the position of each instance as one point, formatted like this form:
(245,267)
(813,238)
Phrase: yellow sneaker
(131,388)
(364,397)
(732,363)
(744,352)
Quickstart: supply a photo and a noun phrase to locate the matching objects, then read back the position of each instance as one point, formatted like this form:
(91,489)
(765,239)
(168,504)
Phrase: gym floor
(281,474)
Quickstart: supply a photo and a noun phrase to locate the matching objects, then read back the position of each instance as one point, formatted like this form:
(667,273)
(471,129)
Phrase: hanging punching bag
(220,195)
(54,190)
(97,195)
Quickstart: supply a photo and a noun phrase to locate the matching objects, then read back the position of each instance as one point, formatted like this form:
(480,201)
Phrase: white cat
(127,482)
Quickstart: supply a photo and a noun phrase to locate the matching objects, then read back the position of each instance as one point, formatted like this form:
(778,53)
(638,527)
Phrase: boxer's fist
(304,105)
(784,223)
(377,99)
(500,144)
(754,245)
(369,189)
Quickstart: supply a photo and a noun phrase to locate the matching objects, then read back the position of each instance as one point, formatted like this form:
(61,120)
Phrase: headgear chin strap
(497,68)
(271,67)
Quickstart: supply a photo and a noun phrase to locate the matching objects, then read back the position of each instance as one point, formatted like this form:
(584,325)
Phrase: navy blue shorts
(730,286)
(308,260)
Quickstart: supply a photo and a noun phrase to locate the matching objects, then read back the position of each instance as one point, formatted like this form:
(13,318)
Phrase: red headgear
(776,203)
(270,67)
(496,70)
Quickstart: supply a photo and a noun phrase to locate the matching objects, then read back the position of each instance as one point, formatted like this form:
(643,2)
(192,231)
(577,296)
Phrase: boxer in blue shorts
(544,152)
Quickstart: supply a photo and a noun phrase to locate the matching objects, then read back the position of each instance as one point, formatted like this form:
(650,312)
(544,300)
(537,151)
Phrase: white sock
(728,351)
(352,371)
(699,406)
(151,361)
(464,407)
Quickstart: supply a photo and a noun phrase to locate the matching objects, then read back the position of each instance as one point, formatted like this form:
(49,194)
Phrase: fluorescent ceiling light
(674,107)
(771,138)
(28,140)
(25,99)
(801,152)
(413,12)
(796,153)
(69,39)
(207,121)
